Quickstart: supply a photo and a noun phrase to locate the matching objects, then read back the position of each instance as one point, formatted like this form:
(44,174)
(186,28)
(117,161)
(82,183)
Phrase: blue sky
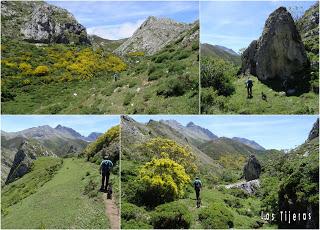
(119,19)
(277,132)
(84,124)
(234,24)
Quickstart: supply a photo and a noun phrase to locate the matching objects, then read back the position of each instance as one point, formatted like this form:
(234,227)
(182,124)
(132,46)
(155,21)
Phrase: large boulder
(252,169)
(278,58)
(249,187)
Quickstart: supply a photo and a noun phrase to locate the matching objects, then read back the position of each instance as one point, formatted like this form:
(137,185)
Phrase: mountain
(191,130)
(220,52)
(250,143)
(308,27)
(106,44)
(134,133)
(205,144)
(93,136)
(153,35)
(314,132)
(218,147)
(19,149)
(40,22)
(27,152)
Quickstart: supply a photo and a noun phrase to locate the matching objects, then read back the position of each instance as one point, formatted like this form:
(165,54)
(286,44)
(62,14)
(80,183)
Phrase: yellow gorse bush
(165,176)
(165,148)
(41,70)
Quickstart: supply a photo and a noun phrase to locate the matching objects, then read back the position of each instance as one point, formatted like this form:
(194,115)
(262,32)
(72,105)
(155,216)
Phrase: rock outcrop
(314,131)
(40,22)
(252,169)
(250,187)
(153,35)
(278,58)
(27,153)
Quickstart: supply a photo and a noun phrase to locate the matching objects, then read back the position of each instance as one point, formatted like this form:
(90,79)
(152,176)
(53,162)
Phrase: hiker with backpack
(197,187)
(105,168)
(249,84)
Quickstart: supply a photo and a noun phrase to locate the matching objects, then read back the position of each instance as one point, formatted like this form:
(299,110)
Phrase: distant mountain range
(20,148)
(205,144)
(220,52)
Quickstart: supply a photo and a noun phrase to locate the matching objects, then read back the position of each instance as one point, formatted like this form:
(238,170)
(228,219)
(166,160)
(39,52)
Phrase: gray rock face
(314,131)
(40,22)
(27,153)
(278,57)
(250,143)
(250,187)
(152,36)
(252,169)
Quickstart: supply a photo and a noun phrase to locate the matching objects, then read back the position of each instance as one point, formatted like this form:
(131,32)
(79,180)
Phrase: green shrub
(161,57)
(217,73)
(135,224)
(216,216)
(172,88)
(127,98)
(173,215)
(132,212)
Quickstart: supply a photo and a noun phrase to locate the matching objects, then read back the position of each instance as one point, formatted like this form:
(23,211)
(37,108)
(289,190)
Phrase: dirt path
(112,212)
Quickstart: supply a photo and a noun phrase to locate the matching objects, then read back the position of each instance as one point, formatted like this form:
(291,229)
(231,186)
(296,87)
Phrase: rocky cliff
(314,133)
(40,22)
(27,153)
(153,35)
(278,58)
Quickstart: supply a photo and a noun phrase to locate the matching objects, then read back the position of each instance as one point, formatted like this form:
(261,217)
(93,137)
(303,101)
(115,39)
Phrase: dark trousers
(105,180)
(197,193)
(249,91)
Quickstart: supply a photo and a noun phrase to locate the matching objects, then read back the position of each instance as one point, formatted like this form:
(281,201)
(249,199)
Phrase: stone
(314,131)
(278,58)
(252,169)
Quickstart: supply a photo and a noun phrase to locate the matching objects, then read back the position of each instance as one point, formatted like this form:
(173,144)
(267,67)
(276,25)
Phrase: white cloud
(115,32)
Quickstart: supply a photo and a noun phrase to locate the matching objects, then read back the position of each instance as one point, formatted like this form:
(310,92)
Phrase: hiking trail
(112,212)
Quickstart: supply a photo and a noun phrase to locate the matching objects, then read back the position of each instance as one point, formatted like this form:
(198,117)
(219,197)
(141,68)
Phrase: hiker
(197,186)
(105,168)
(116,76)
(249,84)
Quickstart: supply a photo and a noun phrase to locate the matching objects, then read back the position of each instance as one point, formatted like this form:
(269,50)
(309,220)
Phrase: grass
(276,103)
(136,91)
(65,201)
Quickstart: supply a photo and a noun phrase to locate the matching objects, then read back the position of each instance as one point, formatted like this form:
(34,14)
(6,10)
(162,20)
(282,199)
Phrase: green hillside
(208,50)
(224,92)
(57,193)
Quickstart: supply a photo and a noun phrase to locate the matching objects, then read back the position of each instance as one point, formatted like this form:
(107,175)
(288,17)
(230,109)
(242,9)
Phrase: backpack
(197,184)
(106,166)
(249,83)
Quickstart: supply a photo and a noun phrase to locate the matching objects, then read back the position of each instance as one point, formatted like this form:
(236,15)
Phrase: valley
(241,179)
(46,71)
(53,175)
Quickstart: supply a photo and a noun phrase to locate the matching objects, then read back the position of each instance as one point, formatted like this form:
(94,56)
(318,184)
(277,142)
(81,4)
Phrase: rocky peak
(153,34)
(278,58)
(40,22)
(314,131)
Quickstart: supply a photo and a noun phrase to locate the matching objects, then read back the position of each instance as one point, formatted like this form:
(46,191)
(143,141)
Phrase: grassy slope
(60,203)
(238,103)
(133,93)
